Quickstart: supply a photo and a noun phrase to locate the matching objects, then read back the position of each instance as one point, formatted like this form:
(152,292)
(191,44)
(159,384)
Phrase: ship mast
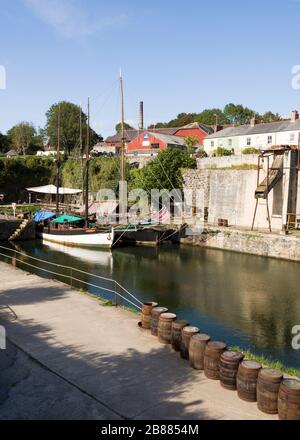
(87,154)
(122,210)
(57,159)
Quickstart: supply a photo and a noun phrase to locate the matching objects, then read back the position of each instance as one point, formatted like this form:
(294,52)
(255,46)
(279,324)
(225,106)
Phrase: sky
(176,56)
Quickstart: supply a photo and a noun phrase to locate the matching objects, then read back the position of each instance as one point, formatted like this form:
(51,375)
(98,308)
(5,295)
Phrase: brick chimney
(253,121)
(294,116)
(141,116)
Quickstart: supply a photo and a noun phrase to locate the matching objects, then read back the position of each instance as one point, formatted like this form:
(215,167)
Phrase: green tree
(269,117)
(163,172)
(126,126)
(211,117)
(69,116)
(238,114)
(22,137)
(4,143)
(190,142)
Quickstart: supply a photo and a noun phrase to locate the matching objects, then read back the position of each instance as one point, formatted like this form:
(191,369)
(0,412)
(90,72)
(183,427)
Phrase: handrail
(73,268)
(71,277)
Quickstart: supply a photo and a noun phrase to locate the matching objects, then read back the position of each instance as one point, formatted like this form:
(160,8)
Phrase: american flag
(163,216)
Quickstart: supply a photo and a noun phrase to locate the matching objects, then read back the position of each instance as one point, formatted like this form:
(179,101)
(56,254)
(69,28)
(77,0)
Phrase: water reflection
(246,300)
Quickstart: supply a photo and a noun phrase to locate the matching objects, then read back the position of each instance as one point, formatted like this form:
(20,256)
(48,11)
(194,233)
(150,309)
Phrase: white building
(259,136)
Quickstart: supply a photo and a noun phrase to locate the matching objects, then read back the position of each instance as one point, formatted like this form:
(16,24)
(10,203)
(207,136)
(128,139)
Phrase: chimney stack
(253,121)
(141,116)
(294,116)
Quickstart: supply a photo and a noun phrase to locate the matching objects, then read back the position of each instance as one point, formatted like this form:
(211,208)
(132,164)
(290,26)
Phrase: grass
(107,303)
(268,362)
(243,166)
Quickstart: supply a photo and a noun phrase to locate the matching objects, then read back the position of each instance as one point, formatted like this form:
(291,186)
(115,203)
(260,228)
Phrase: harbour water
(244,300)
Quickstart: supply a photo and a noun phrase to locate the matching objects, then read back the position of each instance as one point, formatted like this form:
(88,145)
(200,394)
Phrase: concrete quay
(70,357)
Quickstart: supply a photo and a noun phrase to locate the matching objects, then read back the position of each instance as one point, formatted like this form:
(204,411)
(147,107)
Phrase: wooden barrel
(213,352)
(225,222)
(155,314)
(164,329)
(229,366)
(146,314)
(289,400)
(177,327)
(247,380)
(220,222)
(186,335)
(196,350)
(268,384)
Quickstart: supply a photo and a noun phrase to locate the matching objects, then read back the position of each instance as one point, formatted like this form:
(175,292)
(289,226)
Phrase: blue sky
(177,56)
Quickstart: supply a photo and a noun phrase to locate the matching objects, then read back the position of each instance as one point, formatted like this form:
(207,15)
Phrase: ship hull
(96,239)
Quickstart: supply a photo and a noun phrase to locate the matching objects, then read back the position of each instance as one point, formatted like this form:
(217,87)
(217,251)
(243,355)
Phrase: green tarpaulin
(67,219)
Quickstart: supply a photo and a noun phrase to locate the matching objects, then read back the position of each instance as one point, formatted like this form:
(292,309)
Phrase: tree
(69,116)
(4,143)
(269,117)
(163,172)
(238,114)
(190,142)
(126,126)
(22,136)
(211,117)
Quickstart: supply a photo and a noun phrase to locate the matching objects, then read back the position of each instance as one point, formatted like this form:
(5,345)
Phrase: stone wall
(8,227)
(255,243)
(198,179)
(227,161)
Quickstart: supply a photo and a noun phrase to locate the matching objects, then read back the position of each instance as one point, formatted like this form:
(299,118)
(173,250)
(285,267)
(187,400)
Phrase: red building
(196,130)
(151,143)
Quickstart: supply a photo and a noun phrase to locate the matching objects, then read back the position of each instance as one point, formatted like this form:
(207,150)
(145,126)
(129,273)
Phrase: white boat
(80,238)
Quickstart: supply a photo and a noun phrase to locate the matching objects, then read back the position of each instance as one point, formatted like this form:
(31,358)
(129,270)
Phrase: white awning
(51,189)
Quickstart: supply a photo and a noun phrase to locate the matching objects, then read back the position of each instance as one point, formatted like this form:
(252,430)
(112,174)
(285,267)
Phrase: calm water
(244,300)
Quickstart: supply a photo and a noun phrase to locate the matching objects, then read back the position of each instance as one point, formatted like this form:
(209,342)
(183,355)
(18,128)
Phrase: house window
(248,142)
(292,138)
(229,142)
(212,144)
(270,139)
(154,145)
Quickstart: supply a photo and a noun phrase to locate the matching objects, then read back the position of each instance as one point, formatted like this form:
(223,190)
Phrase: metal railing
(116,290)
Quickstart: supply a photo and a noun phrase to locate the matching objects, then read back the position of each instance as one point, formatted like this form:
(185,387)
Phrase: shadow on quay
(129,384)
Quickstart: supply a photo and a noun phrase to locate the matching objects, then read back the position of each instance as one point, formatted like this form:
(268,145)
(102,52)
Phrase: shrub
(250,150)
(220,151)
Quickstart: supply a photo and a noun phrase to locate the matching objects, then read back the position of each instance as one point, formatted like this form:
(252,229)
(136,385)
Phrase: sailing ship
(70,230)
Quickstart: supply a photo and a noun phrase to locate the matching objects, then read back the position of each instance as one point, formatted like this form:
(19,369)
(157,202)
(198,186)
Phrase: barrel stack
(289,400)
(177,327)
(155,314)
(229,366)
(268,384)
(146,314)
(212,355)
(186,335)
(197,347)
(165,327)
(247,380)
(273,393)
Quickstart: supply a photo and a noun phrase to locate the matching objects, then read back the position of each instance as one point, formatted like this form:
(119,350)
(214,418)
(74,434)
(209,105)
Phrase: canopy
(67,219)
(51,189)
(41,215)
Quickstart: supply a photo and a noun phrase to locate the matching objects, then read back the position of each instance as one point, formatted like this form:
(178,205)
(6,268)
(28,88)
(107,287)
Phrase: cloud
(71,20)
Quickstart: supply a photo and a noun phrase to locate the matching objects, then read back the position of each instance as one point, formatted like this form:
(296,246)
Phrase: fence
(109,288)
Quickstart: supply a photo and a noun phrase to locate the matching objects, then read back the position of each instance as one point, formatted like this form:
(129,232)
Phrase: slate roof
(132,134)
(248,130)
